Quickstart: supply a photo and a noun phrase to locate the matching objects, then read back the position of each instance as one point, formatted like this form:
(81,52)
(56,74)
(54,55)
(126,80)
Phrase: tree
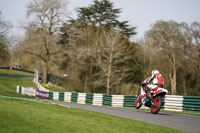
(4,25)
(4,54)
(83,42)
(113,56)
(79,55)
(192,77)
(101,61)
(102,13)
(4,40)
(170,40)
(29,42)
(48,17)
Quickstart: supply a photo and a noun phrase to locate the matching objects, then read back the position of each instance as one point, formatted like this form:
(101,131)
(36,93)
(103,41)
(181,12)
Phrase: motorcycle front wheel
(138,102)
(155,107)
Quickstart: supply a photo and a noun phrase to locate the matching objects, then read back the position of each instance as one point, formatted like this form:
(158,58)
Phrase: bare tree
(4,40)
(113,53)
(47,17)
(145,55)
(195,33)
(4,25)
(169,40)
(194,62)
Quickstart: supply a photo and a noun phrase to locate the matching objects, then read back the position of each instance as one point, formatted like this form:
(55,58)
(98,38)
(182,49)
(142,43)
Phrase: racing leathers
(154,82)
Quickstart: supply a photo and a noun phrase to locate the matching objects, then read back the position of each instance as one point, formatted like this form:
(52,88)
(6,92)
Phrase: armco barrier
(26,91)
(191,103)
(74,97)
(67,96)
(173,103)
(89,98)
(170,102)
(107,99)
(117,100)
(97,99)
(39,86)
(55,95)
(81,98)
(129,101)
(42,94)
(61,96)
(51,95)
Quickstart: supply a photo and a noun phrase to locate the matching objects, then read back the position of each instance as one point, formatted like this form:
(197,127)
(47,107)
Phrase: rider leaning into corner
(154,82)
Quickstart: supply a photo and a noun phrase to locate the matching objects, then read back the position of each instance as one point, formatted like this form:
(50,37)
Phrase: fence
(170,102)
(50,77)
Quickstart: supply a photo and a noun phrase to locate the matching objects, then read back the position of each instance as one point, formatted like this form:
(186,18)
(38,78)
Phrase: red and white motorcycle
(153,100)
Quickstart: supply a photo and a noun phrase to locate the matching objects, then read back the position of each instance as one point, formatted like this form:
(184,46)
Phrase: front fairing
(159,91)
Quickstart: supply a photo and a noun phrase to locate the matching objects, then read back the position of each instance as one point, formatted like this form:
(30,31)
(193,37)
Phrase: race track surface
(15,76)
(181,122)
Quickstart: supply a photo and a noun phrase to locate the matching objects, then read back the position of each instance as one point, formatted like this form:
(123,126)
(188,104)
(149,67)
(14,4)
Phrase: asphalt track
(186,123)
(15,76)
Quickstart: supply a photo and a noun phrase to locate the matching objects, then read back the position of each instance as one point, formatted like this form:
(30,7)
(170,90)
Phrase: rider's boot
(148,94)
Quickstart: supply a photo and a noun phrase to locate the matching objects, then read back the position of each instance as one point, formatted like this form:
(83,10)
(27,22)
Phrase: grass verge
(8,85)
(33,117)
(53,87)
(14,72)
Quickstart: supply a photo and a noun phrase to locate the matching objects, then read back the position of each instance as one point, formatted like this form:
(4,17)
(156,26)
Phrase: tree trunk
(108,80)
(86,84)
(173,79)
(109,68)
(172,75)
(45,73)
(184,88)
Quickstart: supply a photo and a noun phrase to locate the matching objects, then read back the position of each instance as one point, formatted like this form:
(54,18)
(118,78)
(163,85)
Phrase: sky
(139,13)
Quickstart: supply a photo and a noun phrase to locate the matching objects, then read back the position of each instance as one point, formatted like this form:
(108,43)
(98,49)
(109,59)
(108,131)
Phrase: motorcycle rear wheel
(155,108)
(138,102)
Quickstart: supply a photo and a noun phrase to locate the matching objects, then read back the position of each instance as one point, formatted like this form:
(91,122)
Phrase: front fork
(146,96)
(149,98)
(143,95)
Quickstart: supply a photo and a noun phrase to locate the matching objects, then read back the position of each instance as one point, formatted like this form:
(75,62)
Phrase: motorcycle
(153,100)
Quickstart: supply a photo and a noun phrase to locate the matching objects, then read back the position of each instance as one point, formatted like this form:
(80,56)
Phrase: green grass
(53,87)
(8,85)
(30,117)
(14,72)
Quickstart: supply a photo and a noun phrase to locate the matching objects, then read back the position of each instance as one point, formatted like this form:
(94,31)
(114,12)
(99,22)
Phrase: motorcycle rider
(154,82)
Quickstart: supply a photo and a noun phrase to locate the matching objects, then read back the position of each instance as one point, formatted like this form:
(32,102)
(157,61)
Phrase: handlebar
(143,83)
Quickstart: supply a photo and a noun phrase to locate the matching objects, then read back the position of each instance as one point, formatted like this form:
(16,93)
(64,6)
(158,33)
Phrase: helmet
(154,72)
